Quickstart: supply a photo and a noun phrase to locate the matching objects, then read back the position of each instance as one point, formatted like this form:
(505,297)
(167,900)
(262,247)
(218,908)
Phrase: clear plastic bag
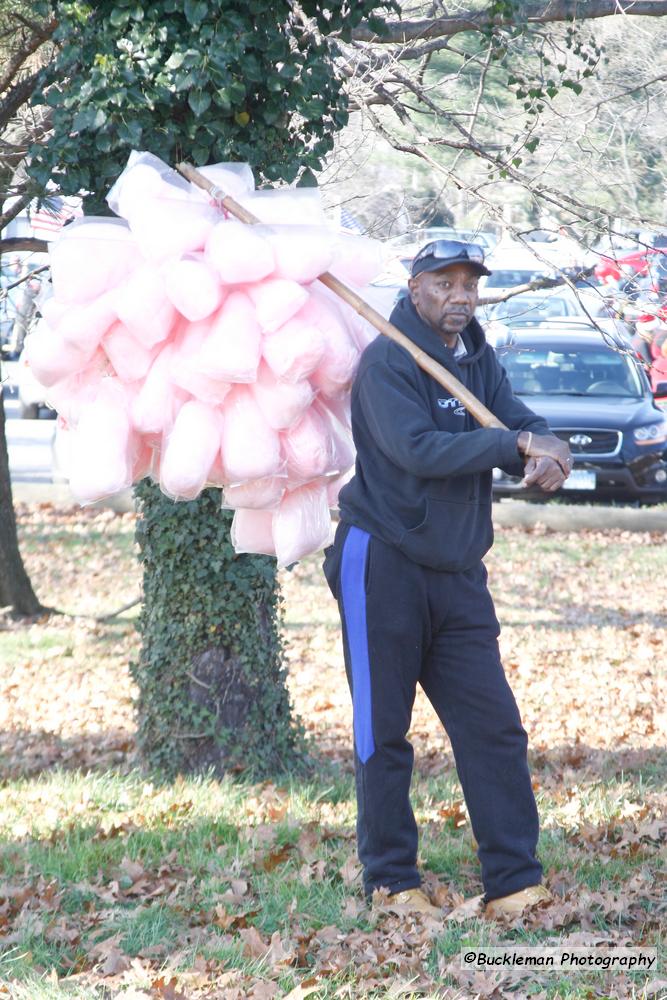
(302,524)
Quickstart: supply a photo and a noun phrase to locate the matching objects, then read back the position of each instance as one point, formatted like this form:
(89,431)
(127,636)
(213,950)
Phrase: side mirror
(660,389)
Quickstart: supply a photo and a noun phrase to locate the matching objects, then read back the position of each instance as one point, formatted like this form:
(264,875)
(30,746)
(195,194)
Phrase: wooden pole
(444,377)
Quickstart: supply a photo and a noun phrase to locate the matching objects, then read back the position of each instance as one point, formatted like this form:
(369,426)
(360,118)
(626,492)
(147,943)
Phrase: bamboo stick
(444,377)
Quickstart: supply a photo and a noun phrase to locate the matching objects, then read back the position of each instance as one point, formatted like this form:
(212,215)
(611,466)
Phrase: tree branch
(17,95)
(20,244)
(40,35)
(22,201)
(534,13)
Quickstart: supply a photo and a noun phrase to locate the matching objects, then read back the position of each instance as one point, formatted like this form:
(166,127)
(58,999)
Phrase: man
(406,570)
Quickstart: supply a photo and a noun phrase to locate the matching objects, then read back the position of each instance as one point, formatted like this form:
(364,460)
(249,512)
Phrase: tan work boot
(412,901)
(514,904)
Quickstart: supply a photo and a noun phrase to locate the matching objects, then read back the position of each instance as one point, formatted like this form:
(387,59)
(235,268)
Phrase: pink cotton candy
(70,394)
(83,326)
(191,448)
(170,227)
(50,357)
(238,253)
(260,494)
(146,459)
(250,448)
(186,369)
(141,303)
(252,531)
(53,311)
(103,446)
(302,524)
(335,372)
(360,329)
(295,350)
(158,400)
(231,351)
(301,253)
(358,259)
(307,448)
(130,359)
(89,257)
(276,300)
(193,287)
(281,403)
(342,451)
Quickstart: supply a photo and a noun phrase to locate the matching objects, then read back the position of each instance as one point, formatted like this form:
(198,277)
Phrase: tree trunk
(15,588)
(212,685)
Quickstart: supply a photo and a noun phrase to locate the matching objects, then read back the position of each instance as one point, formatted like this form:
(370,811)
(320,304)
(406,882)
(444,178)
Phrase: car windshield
(562,371)
(510,278)
(531,309)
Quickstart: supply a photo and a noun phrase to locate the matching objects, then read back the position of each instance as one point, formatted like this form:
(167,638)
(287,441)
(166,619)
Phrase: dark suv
(593,395)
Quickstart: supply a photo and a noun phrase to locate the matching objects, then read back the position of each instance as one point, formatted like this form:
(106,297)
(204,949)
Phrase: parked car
(556,306)
(510,267)
(597,398)
(416,238)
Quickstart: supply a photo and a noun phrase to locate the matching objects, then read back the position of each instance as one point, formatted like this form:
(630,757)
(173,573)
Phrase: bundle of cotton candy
(182,344)
(103,445)
(333,375)
(190,450)
(299,526)
(232,348)
(281,403)
(89,257)
(250,447)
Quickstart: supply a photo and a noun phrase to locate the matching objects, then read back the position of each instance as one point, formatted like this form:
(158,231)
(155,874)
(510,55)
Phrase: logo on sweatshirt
(452,404)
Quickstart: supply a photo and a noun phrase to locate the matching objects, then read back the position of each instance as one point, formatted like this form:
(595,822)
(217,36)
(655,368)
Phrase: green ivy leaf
(199,101)
(195,11)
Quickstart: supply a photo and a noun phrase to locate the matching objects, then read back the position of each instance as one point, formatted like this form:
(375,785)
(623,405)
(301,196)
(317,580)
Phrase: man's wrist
(523,442)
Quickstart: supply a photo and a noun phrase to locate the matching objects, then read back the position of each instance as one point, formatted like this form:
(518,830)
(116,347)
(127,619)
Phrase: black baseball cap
(443,253)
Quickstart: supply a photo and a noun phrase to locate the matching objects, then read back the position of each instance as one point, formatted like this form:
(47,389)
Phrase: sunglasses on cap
(450,250)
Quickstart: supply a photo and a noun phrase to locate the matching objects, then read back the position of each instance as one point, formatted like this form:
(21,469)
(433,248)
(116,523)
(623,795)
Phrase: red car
(630,265)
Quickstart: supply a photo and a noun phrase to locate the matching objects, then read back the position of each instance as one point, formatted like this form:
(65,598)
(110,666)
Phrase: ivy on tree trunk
(210,676)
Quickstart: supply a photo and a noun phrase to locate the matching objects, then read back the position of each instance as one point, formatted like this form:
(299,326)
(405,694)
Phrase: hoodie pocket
(452,535)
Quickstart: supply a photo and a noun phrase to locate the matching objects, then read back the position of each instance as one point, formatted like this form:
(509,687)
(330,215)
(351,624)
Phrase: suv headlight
(650,434)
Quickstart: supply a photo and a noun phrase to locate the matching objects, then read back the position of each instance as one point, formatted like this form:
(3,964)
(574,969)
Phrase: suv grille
(601,442)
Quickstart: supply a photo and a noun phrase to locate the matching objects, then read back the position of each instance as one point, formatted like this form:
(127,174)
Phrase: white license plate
(580,479)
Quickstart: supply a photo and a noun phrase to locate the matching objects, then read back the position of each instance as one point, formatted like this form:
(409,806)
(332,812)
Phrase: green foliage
(233,79)
(199,595)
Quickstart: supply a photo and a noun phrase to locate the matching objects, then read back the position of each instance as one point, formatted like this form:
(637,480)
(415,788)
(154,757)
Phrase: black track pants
(405,624)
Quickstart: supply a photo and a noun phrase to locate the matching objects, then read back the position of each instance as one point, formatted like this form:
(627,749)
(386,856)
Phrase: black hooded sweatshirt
(422,478)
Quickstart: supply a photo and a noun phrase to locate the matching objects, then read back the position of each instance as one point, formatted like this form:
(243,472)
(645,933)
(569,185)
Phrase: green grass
(201,836)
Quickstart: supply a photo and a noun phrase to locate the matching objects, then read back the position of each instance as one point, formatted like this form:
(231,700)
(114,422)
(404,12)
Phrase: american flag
(349,223)
(48,217)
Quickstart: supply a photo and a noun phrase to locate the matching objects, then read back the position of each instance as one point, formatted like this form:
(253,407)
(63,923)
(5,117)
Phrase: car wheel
(28,411)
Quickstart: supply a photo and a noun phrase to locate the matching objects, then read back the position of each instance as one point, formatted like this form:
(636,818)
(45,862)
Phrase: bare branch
(23,244)
(534,13)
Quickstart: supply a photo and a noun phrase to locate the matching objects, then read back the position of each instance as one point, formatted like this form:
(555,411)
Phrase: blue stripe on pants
(353,593)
